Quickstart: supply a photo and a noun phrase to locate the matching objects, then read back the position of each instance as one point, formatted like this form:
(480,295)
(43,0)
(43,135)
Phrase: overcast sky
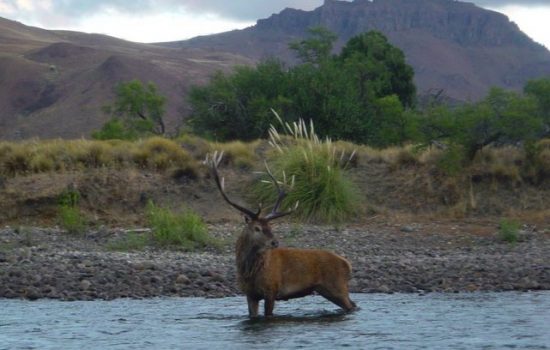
(167,20)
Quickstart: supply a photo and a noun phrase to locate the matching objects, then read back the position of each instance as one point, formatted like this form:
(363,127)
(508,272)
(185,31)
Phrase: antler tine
(281,195)
(216,159)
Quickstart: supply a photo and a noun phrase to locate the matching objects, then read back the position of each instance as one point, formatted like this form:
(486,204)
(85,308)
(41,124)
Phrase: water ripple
(394,321)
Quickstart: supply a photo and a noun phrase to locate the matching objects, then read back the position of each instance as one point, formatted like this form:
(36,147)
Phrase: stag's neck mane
(249,257)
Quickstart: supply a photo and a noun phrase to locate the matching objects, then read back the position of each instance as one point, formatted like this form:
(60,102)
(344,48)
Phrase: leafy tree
(380,68)
(356,96)
(503,117)
(539,89)
(316,48)
(138,110)
(238,106)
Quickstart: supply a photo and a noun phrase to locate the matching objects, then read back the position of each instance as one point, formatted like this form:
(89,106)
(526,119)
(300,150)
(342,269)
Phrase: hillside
(452,45)
(54,83)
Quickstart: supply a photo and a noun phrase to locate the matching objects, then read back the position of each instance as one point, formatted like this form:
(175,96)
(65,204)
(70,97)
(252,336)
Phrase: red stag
(267,272)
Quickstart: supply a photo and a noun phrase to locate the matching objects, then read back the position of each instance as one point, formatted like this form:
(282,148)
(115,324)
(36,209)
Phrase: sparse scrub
(509,230)
(184,229)
(131,241)
(318,172)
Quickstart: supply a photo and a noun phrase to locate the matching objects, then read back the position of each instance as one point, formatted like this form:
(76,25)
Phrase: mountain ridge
(449,43)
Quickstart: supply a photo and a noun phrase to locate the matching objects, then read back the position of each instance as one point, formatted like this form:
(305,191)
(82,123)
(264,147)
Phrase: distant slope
(54,83)
(452,45)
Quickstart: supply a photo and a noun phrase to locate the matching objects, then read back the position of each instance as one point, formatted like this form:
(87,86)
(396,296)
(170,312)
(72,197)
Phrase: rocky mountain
(452,45)
(54,83)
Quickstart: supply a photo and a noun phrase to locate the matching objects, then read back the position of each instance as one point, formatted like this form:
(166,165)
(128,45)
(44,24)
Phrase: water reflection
(323,317)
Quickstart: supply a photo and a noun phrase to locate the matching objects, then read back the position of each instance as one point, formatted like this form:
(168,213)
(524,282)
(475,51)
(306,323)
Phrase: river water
(385,321)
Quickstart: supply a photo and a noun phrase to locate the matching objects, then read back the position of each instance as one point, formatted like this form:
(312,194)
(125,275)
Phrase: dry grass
(38,156)
(240,154)
(502,164)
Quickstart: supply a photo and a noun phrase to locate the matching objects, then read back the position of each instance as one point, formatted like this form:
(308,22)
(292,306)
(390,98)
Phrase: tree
(238,106)
(316,48)
(357,96)
(503,117)
(380,68)
(138,110)
(539,89)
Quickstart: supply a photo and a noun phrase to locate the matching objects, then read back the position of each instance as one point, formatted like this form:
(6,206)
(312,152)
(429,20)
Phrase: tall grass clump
(319,172)
(184,229)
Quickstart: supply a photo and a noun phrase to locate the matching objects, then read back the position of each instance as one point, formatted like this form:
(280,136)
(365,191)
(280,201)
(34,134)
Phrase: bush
(318,172)
(71,220)
(69,215)
(185,229)
(509,230)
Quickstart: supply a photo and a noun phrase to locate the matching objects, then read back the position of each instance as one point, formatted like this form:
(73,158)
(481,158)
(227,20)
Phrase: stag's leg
(269,304)
(253,305)
(338,297)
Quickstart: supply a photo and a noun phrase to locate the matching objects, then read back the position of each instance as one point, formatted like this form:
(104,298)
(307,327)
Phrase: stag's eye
(257,229)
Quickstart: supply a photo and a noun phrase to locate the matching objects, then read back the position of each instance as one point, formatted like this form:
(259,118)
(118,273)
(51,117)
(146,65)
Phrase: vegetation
(35,156)
(137,111)
(317,169)
(509,230)
(359,95)
(366,95)
(70,217)
(185,229)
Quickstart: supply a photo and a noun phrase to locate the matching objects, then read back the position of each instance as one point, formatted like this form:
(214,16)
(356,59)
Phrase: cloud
(501,3)
(138,14)
(73,11)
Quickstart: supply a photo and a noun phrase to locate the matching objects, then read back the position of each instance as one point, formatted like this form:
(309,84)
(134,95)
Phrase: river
(385,321)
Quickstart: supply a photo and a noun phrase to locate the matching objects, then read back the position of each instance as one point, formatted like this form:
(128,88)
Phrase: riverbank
(387,257)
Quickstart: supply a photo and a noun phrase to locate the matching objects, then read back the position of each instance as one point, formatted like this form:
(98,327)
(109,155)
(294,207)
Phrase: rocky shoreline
(413,257)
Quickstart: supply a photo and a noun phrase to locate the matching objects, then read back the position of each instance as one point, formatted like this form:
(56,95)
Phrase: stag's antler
(281,195)
(213,162)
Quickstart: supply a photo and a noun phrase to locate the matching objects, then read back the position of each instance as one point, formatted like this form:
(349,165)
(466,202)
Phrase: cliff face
(452,45)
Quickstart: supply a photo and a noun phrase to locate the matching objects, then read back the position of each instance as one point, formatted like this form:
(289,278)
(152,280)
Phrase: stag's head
(258,228)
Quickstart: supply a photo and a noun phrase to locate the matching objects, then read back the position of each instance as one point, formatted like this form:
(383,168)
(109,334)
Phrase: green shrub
(114,129)
(184,229)
(318,172)
(69,215)
(71,220)
(509,230)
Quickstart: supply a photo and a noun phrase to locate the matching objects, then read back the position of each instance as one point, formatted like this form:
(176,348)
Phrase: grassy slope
(117,179)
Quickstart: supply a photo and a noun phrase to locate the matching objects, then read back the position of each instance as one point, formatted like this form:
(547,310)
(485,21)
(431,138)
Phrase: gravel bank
(449,257)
